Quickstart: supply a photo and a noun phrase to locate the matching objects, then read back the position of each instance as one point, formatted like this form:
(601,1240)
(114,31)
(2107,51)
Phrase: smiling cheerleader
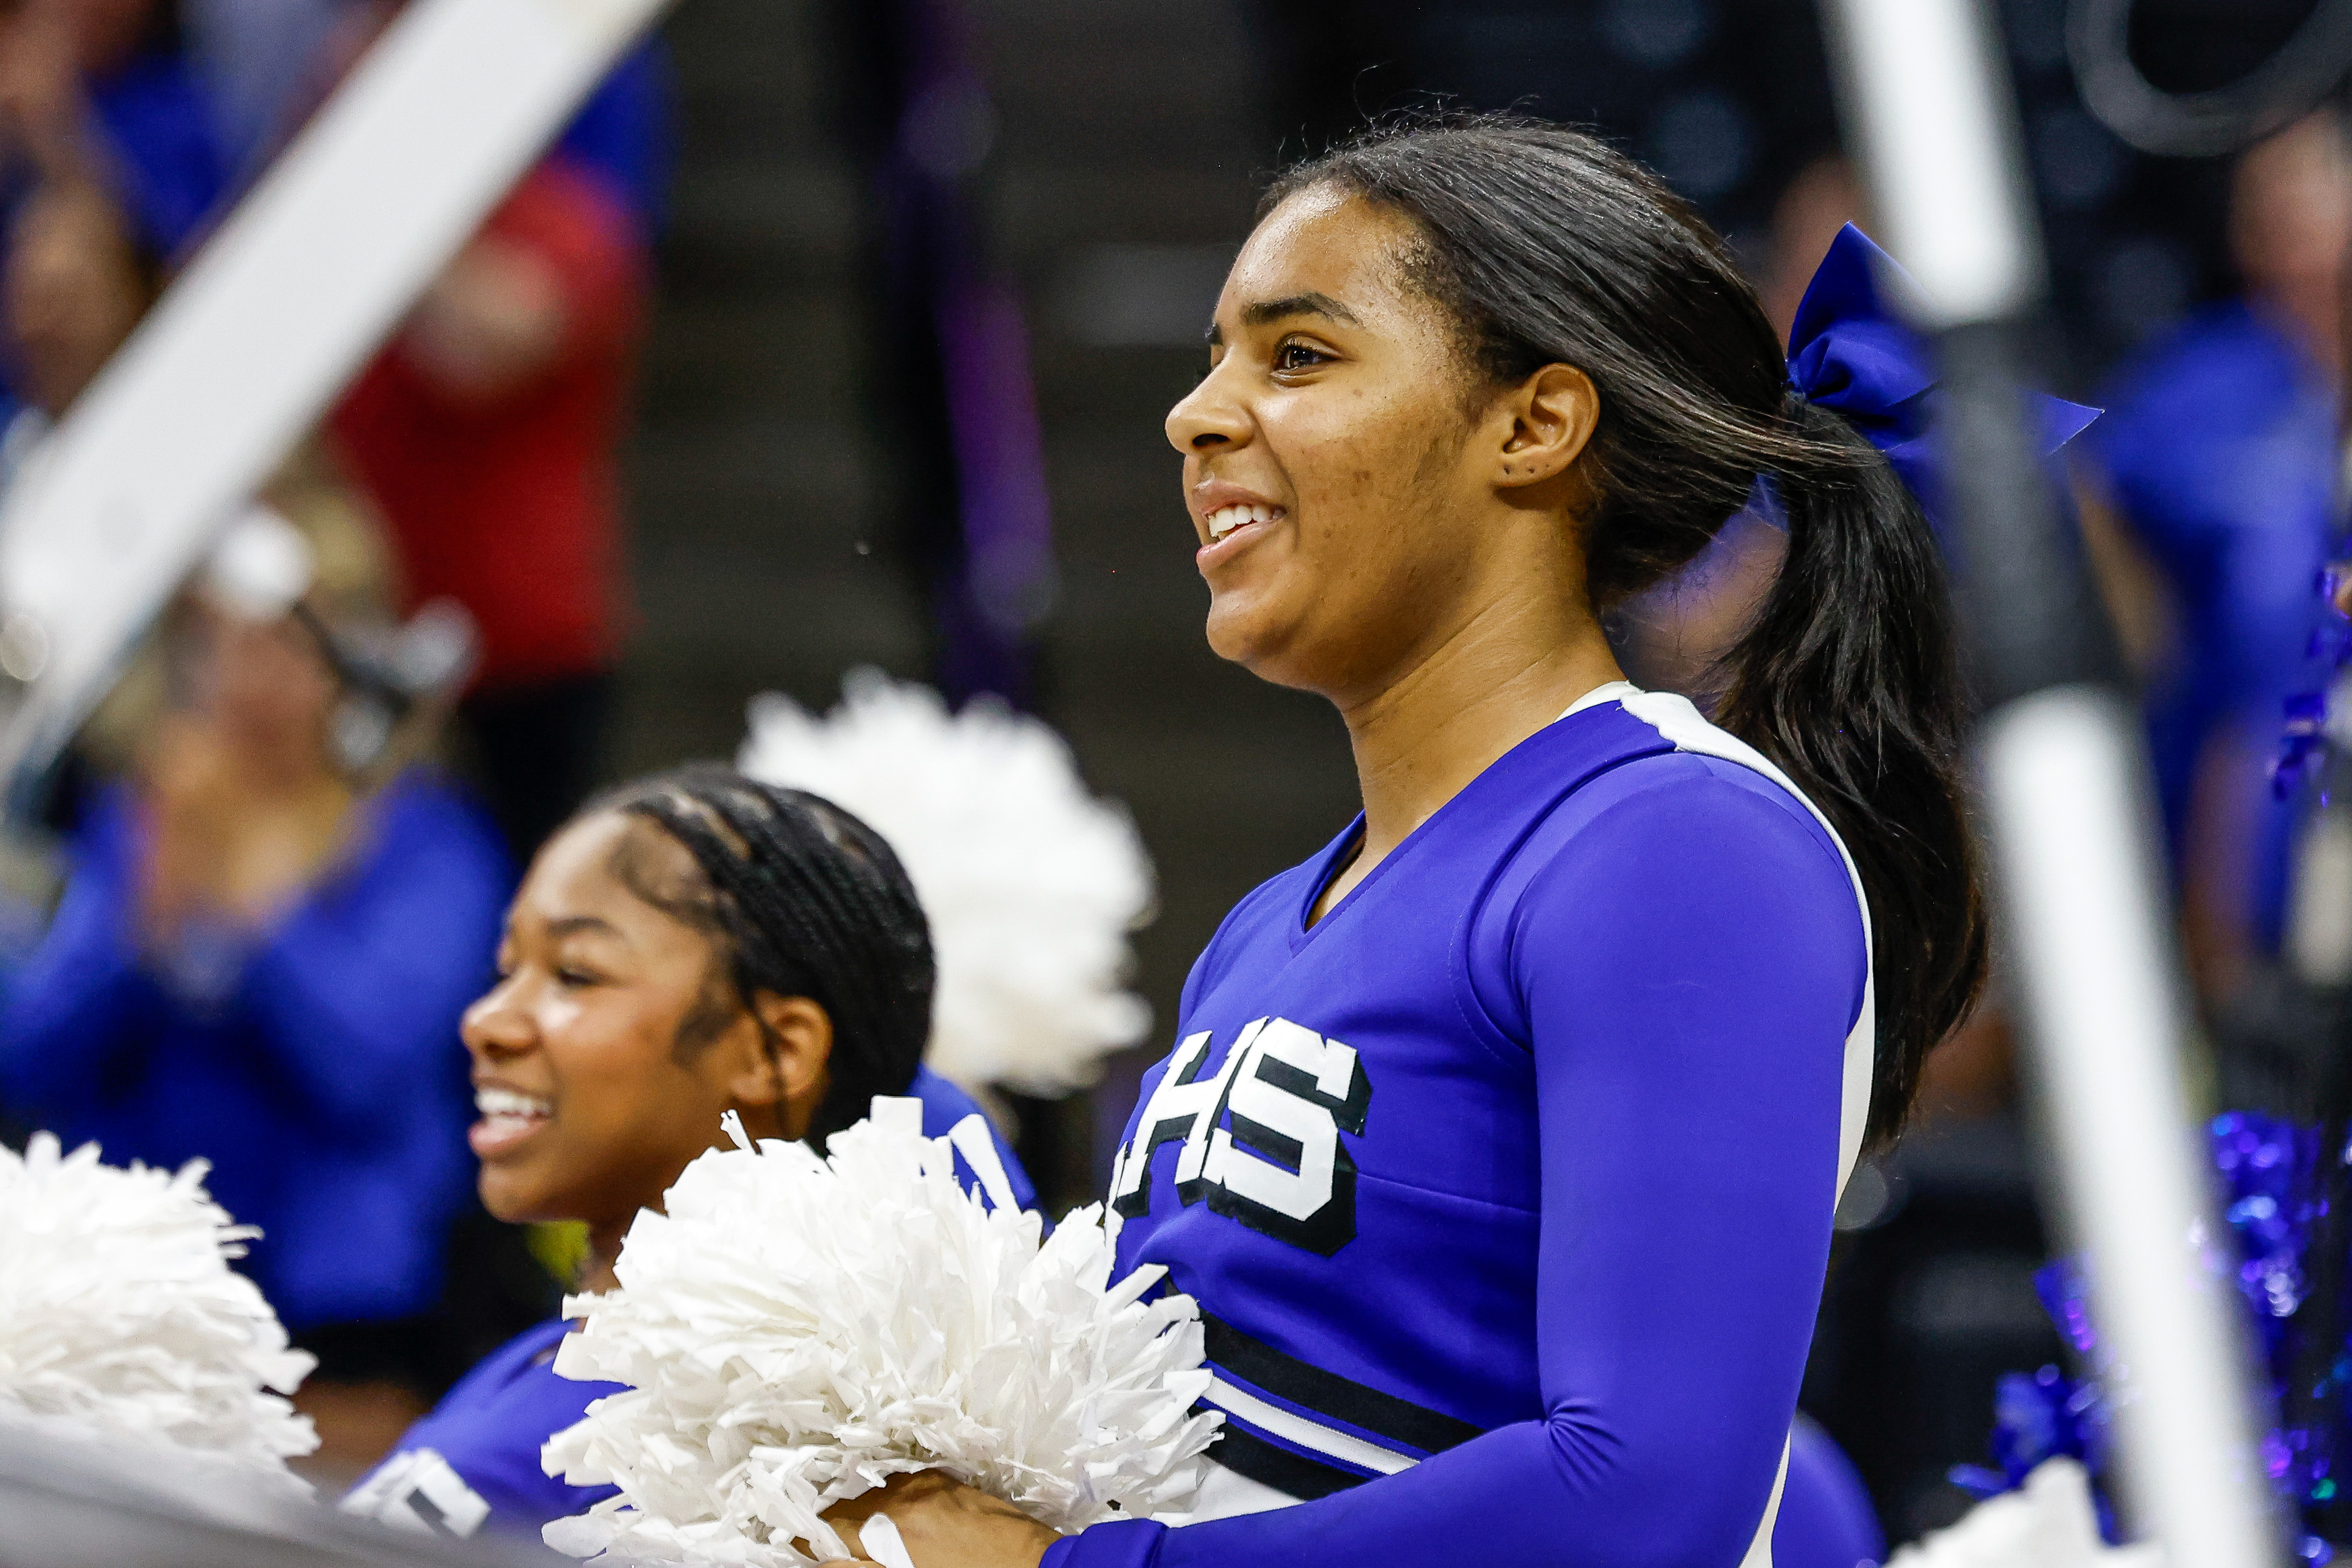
(1500,1141)
(689,946)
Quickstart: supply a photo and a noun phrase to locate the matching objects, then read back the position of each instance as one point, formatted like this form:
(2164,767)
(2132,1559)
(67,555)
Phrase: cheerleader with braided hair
(691,944)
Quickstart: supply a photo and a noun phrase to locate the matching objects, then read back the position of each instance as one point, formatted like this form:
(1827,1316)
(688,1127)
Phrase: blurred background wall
(778,499)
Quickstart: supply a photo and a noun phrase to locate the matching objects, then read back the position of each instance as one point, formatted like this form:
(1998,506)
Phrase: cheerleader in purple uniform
(1500,1141)
(690,944)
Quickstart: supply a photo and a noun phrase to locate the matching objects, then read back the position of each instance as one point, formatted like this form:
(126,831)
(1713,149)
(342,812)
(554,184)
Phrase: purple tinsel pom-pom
(2273,1193)
(2305,746)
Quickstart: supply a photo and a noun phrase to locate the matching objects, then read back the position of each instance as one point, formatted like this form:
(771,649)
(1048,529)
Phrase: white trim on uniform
(1328,1441)
(1679,721)
(1760,1550)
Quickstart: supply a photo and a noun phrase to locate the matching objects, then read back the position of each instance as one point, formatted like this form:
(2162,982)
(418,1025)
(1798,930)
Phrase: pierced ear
(1553,414)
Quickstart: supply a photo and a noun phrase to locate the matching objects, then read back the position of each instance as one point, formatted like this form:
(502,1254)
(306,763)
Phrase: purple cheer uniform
(1506,1188)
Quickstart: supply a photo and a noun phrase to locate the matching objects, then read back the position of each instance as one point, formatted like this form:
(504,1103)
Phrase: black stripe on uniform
(1312,1389)
(1269,1463)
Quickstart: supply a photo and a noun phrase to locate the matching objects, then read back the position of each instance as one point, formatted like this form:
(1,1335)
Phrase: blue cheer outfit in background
(2220,450)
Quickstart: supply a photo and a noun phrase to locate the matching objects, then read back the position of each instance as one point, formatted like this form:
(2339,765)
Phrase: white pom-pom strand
(2049,1523)
(1030,884)
(121,1322)
(795,1330)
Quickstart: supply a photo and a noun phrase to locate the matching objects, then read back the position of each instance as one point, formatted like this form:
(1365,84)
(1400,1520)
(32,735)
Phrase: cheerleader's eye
(572,979)
(1294,356)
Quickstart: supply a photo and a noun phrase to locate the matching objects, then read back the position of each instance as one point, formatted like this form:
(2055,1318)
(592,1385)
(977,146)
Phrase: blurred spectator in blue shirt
(99,94)
(266,64)
(2217,462)
(102,127)
(622,133)
(263,66)
(260,960)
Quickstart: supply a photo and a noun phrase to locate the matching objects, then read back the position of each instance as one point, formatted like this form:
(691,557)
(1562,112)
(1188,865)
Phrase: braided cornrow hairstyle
(802,900)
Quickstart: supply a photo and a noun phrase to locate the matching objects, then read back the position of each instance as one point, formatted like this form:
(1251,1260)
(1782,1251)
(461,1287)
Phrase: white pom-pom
(120,1320)
(1030,882)
(797,1329)
(2049,1524)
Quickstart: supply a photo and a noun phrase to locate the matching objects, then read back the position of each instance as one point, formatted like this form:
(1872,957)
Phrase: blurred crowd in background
(832,335)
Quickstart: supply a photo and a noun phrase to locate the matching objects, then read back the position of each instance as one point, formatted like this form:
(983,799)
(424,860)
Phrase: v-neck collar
(1335,858)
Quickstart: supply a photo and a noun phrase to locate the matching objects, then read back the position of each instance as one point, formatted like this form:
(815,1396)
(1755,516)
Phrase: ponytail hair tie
(1850,354)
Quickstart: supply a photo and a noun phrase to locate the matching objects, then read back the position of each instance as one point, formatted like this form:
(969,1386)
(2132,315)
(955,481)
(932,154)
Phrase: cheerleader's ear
(785,1067)
(1550,420)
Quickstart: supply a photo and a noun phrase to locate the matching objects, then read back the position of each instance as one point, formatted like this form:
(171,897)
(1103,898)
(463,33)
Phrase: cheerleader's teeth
(1226,520)
(507,1119)
(490,1100)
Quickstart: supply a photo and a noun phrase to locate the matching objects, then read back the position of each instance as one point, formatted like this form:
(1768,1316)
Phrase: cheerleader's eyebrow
(1260,312)
(1309,304)
(572,925)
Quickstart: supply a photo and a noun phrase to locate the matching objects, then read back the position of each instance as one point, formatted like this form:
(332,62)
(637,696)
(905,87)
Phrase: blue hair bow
(1848,353)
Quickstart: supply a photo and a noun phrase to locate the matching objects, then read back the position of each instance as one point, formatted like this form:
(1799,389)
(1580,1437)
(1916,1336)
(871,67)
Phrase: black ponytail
(1849,679)
(803,900)
(1548,246)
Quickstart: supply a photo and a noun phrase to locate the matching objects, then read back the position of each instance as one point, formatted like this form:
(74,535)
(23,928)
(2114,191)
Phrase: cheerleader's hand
(946,1524)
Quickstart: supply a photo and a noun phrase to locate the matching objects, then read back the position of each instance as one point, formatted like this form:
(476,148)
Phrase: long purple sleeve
(1672,946)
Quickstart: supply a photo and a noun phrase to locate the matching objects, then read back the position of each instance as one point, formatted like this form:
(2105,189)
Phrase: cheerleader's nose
(1210,418)
(495,1026)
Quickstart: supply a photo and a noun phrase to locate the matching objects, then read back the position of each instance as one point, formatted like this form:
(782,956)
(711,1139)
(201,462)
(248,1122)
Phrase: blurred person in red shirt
(489,432)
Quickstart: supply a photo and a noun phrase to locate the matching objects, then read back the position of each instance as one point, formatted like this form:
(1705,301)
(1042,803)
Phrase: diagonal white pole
(254,341)
(2066,797)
